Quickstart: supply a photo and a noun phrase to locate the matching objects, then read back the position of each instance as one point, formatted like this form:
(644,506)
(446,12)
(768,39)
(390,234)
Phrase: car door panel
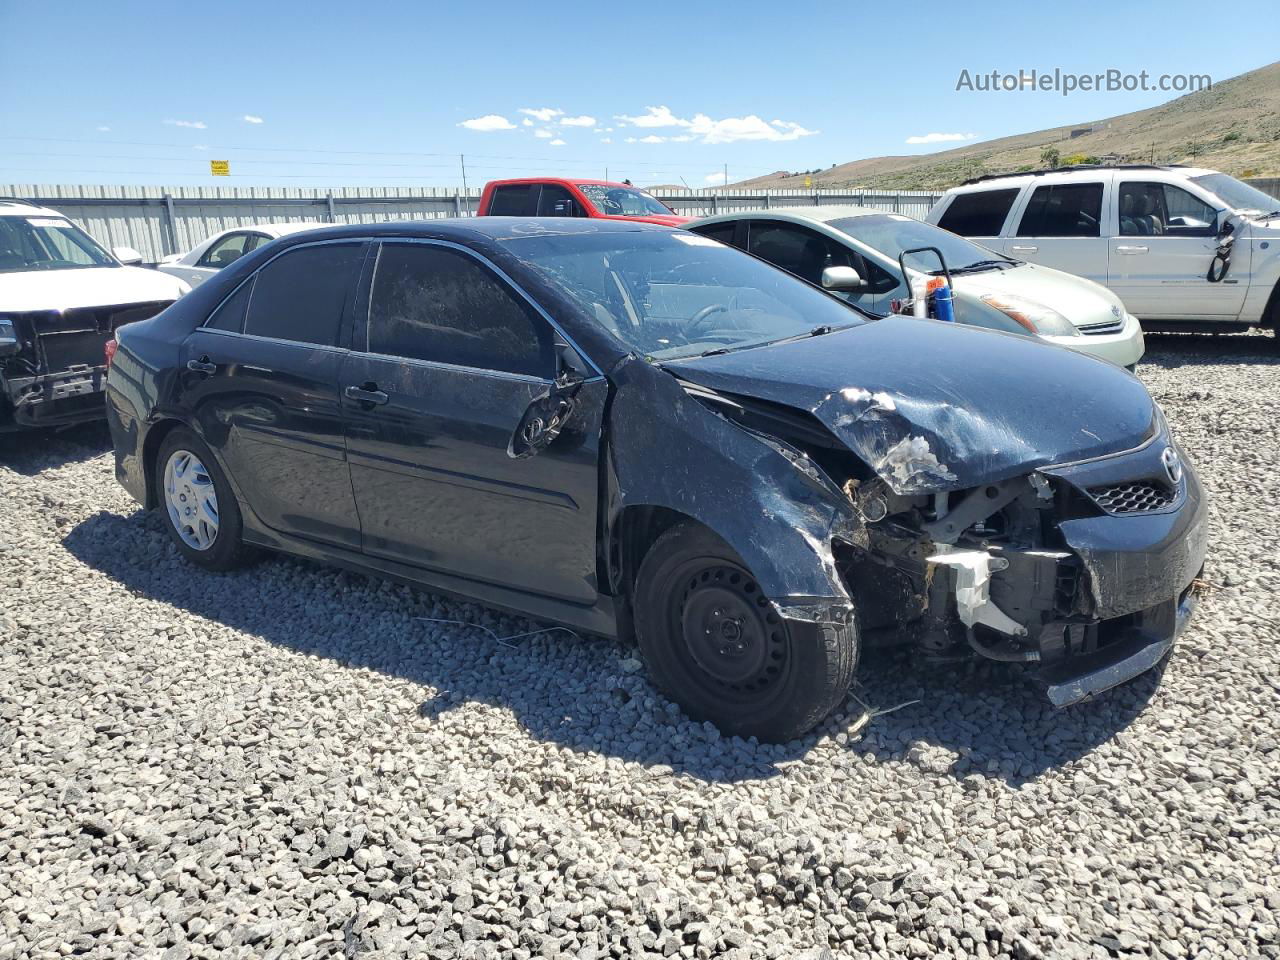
(437,487)
(271,409)
(1049,229)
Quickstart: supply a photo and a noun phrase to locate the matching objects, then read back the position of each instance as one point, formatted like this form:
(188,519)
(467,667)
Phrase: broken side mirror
(841,278)
(546,416)
(127,256)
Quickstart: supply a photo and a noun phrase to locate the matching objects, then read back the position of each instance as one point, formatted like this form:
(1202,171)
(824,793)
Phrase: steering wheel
(703,315)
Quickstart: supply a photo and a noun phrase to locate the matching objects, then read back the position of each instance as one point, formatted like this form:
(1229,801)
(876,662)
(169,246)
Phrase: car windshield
(47,243)
(623,201)
(891,233)
(669,295)
(1237,195)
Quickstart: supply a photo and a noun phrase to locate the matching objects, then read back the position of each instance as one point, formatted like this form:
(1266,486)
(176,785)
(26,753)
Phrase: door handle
(1023,249)
(202,365)
(366,393)
(1123,248)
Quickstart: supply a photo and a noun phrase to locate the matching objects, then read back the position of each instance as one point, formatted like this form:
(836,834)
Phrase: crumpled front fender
(668,450)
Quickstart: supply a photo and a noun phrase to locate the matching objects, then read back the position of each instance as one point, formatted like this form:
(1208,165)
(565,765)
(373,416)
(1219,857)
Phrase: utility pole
(462,159)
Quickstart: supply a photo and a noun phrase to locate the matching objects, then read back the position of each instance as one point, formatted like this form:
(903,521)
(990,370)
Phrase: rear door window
(1063,210)
(302,294)
(978,214)
(230,316)
(434,303)
(515,200)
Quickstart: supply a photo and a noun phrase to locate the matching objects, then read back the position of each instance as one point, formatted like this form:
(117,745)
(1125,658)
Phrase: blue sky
(390,93)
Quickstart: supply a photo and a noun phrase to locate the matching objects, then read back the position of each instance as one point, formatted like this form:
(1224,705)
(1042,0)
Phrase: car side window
(1063,210)
(978,214)
(723,232)
(1161,209)
(301,295)
(513,201)
(230,315)
(556,201)
(226,251)
(437,304)
(797,250)
(257,240)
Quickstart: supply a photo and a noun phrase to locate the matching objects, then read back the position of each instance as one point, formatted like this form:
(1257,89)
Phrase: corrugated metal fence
(158,221)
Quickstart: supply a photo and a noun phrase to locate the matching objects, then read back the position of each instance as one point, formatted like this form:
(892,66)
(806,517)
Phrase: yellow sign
(808,181)
(220,168)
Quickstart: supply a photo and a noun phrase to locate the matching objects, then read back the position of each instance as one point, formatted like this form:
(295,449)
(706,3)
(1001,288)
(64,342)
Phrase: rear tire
(198,505)
(715,644)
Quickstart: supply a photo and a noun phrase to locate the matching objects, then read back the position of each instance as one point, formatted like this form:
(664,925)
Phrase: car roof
(281,229)
(17,207)
(583,181)
(465,229)
(1008,181)
(806,214)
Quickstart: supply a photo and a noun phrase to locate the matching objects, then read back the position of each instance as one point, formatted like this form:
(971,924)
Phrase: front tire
(715,644)
(199,508)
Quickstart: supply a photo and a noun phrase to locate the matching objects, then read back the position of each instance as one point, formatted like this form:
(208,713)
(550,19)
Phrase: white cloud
(653,138)
(193,124)
(716,179)
(200,146)
(557,142)
(545,114)
(104,129)
(543,134)
(630,140)
(683,138)
(250,118)
(942,137)
(653,117)
(606,139)
(582,121)
(727,130)
(526,122)
(487,123)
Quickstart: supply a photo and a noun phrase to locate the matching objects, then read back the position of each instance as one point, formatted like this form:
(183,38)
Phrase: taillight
(109,351)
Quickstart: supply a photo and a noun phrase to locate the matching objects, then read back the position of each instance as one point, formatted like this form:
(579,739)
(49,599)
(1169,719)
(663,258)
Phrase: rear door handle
(1122,248)
(202,365)
(366,393)
(1023,249)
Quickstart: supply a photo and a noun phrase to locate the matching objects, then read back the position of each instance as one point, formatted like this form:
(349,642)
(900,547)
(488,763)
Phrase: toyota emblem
(1172,464)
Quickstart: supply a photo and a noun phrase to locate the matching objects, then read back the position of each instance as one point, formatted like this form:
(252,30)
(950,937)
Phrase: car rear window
(301,295)
(978,214)
(513,201)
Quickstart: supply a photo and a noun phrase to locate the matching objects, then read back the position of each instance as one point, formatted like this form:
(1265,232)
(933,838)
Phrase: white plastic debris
(973,590)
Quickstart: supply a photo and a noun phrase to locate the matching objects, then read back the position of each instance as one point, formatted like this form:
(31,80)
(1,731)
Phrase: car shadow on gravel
(1171,350)
(583,693)
(31,452)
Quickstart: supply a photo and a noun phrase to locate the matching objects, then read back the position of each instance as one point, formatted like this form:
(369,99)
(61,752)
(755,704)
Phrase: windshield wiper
(1268,216)
(981,265)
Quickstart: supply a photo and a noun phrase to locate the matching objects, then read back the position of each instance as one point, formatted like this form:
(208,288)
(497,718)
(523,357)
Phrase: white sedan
(223,249)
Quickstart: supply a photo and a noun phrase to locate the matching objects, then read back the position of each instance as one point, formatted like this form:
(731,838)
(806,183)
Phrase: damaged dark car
(635,431)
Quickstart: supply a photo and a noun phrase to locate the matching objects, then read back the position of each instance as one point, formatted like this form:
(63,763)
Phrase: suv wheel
(714,643)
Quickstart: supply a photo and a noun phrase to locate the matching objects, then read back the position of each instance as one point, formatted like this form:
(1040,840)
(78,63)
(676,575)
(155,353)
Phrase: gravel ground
(287,762)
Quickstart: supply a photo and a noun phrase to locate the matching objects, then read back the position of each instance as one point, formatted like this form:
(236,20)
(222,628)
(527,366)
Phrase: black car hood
(932,406)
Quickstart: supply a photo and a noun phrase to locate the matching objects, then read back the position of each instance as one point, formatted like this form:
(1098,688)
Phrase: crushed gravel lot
(289,762)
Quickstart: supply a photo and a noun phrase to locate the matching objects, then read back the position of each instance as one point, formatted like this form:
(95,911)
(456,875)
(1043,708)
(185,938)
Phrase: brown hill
(1233,127)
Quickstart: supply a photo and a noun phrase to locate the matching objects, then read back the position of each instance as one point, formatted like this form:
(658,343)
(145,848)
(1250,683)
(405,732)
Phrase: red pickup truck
(554,197)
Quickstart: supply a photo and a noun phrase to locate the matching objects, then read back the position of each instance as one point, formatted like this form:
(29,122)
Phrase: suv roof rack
(1078,166)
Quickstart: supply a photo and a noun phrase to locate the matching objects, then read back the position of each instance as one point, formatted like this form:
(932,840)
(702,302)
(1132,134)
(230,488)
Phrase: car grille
(1136,496)
(1100,329)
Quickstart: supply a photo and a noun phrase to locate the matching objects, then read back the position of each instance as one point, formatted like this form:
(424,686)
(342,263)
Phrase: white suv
(1183,247)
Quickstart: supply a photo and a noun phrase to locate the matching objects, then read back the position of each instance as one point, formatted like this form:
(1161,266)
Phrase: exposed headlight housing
(8,336)
(1034,317)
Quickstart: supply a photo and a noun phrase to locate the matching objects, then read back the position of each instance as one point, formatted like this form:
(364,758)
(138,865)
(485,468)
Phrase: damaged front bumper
(57,399)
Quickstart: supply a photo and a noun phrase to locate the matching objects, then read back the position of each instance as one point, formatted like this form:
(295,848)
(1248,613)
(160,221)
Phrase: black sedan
(634,430)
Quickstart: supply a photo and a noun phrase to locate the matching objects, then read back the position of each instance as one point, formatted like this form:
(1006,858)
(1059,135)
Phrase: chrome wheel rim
(191,500)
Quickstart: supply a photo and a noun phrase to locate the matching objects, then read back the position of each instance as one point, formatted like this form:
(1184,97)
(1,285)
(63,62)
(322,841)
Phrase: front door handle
(202,365)
(1123,248)
(366,393)
(1023,249)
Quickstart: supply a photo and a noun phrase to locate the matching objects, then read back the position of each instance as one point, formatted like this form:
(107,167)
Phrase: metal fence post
(329,201)
(170,234)
(715,204)
(766,201)
(897,200)
(457,204)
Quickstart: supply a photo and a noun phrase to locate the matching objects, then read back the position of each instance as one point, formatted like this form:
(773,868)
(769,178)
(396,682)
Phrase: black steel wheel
(715,643)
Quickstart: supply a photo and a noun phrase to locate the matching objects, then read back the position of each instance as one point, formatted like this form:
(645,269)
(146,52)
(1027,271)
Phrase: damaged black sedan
(632,430)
